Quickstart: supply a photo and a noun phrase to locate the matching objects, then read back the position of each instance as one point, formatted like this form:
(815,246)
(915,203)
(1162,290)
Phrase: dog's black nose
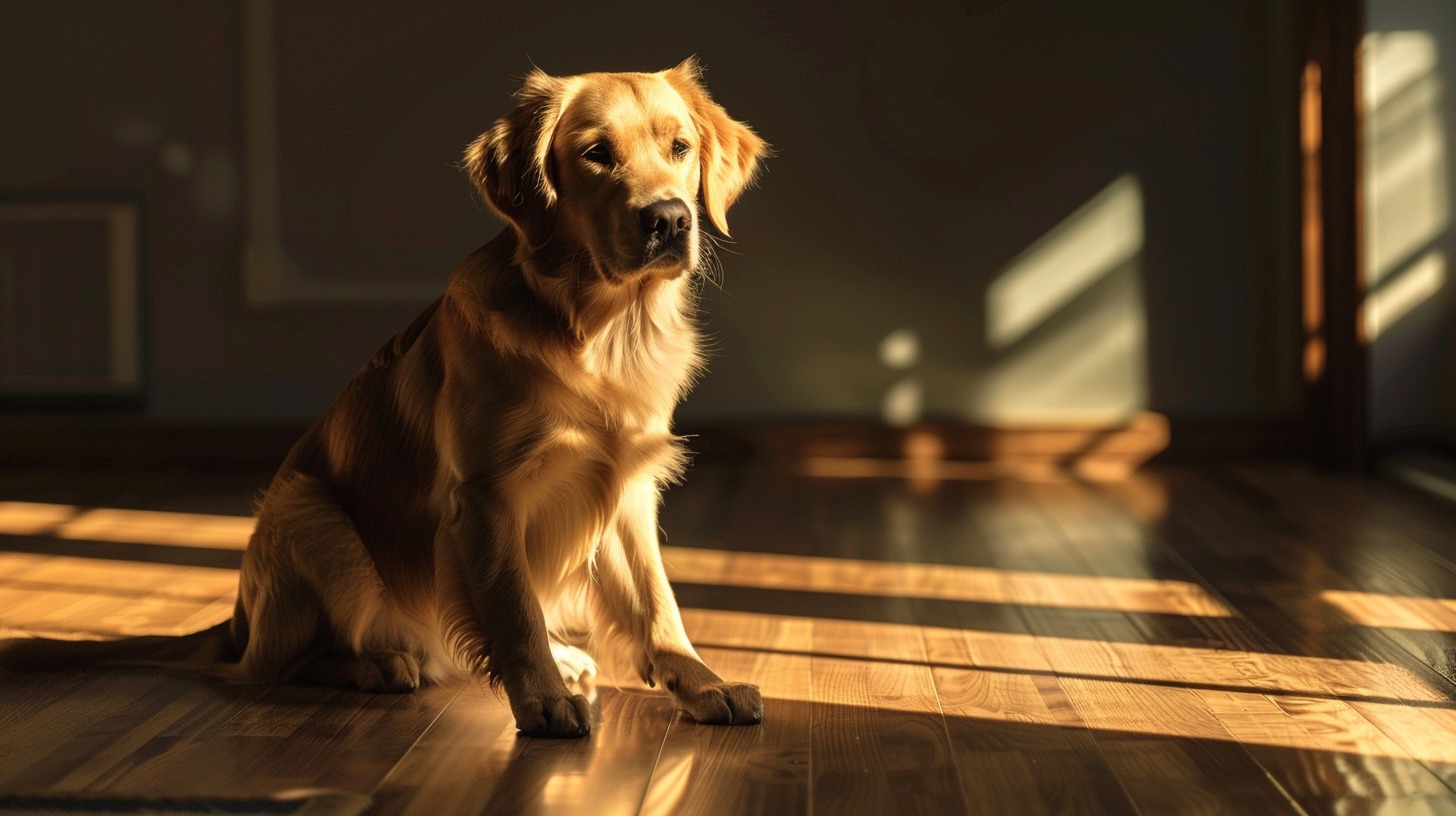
(666,219)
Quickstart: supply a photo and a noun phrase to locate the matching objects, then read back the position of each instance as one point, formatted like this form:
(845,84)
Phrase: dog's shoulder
(400,344)
(489,301)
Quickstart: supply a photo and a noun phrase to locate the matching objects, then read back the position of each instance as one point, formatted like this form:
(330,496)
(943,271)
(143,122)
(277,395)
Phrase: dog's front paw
(567,715)
(723,704)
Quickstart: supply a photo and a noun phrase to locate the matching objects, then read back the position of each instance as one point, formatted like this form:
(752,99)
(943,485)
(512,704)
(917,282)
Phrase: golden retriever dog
(485,491)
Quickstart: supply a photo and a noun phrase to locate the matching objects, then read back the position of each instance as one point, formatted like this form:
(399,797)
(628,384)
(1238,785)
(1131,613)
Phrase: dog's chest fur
(571,488)
(602,428)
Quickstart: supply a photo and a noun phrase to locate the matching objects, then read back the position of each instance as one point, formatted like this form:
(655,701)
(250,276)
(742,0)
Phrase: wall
(995,211)
(1410,69)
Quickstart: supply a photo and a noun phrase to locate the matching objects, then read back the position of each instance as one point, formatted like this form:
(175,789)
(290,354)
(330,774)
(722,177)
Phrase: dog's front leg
(634,591)
(501,616)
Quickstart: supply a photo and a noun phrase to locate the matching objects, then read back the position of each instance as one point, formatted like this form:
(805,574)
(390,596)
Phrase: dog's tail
(205,652)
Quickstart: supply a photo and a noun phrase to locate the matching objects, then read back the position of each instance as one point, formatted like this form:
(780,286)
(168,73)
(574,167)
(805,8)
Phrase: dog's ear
(511,162)
(729,150)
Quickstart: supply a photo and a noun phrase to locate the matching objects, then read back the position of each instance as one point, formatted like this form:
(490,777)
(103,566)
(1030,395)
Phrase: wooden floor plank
(472,760)
(1377,767)
(1191,777)
(1331,722)
(1014,755)
(455,766)
(1390,551)
(1175,644)
(1292,604)
(289,737)
(1157,669)
(880,743)
(97,729)
(720,769)
(766,769)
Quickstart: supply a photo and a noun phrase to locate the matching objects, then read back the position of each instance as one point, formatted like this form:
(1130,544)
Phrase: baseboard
(946,450)
(1093,447)
(1194,439)
(115,441)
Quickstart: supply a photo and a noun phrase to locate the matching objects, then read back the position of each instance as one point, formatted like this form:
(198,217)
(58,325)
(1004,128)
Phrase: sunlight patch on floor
(939,581)
(126,526)
(1154,664)
(1394,611)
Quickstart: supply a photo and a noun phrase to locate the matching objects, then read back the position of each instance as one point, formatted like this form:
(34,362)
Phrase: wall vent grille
(69,316)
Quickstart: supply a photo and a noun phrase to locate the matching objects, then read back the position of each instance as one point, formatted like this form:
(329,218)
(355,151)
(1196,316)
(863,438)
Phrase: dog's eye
(680,148)
(599,154)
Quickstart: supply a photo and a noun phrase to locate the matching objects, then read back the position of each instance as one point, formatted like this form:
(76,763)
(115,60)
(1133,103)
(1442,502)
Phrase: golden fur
(492,477)
(486,488)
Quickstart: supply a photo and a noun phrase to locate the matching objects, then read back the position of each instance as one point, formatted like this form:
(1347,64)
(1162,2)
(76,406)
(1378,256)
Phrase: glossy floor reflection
(1239,639)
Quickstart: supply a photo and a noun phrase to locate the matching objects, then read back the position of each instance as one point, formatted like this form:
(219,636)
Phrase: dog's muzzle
(666,226)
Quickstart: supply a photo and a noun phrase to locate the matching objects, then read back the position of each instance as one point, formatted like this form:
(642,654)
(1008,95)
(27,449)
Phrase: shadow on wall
(1405,177)
(1407,310)
(1064,322)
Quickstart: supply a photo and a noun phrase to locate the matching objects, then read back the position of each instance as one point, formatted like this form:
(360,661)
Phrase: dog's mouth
(669,258)
(673,250)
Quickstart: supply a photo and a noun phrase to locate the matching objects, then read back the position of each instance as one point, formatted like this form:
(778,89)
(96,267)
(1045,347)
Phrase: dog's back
(374,449)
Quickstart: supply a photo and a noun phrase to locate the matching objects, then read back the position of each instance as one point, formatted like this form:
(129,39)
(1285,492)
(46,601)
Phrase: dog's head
(610,168)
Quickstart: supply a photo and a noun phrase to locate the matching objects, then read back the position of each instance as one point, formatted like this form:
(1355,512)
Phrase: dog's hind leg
(289,641)
(282,629)
(323,614)
(371,671)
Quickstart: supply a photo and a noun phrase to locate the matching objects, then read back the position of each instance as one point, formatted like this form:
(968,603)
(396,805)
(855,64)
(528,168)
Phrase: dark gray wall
(925,151)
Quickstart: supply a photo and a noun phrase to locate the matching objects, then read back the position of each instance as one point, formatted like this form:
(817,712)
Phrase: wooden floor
(1236,639)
